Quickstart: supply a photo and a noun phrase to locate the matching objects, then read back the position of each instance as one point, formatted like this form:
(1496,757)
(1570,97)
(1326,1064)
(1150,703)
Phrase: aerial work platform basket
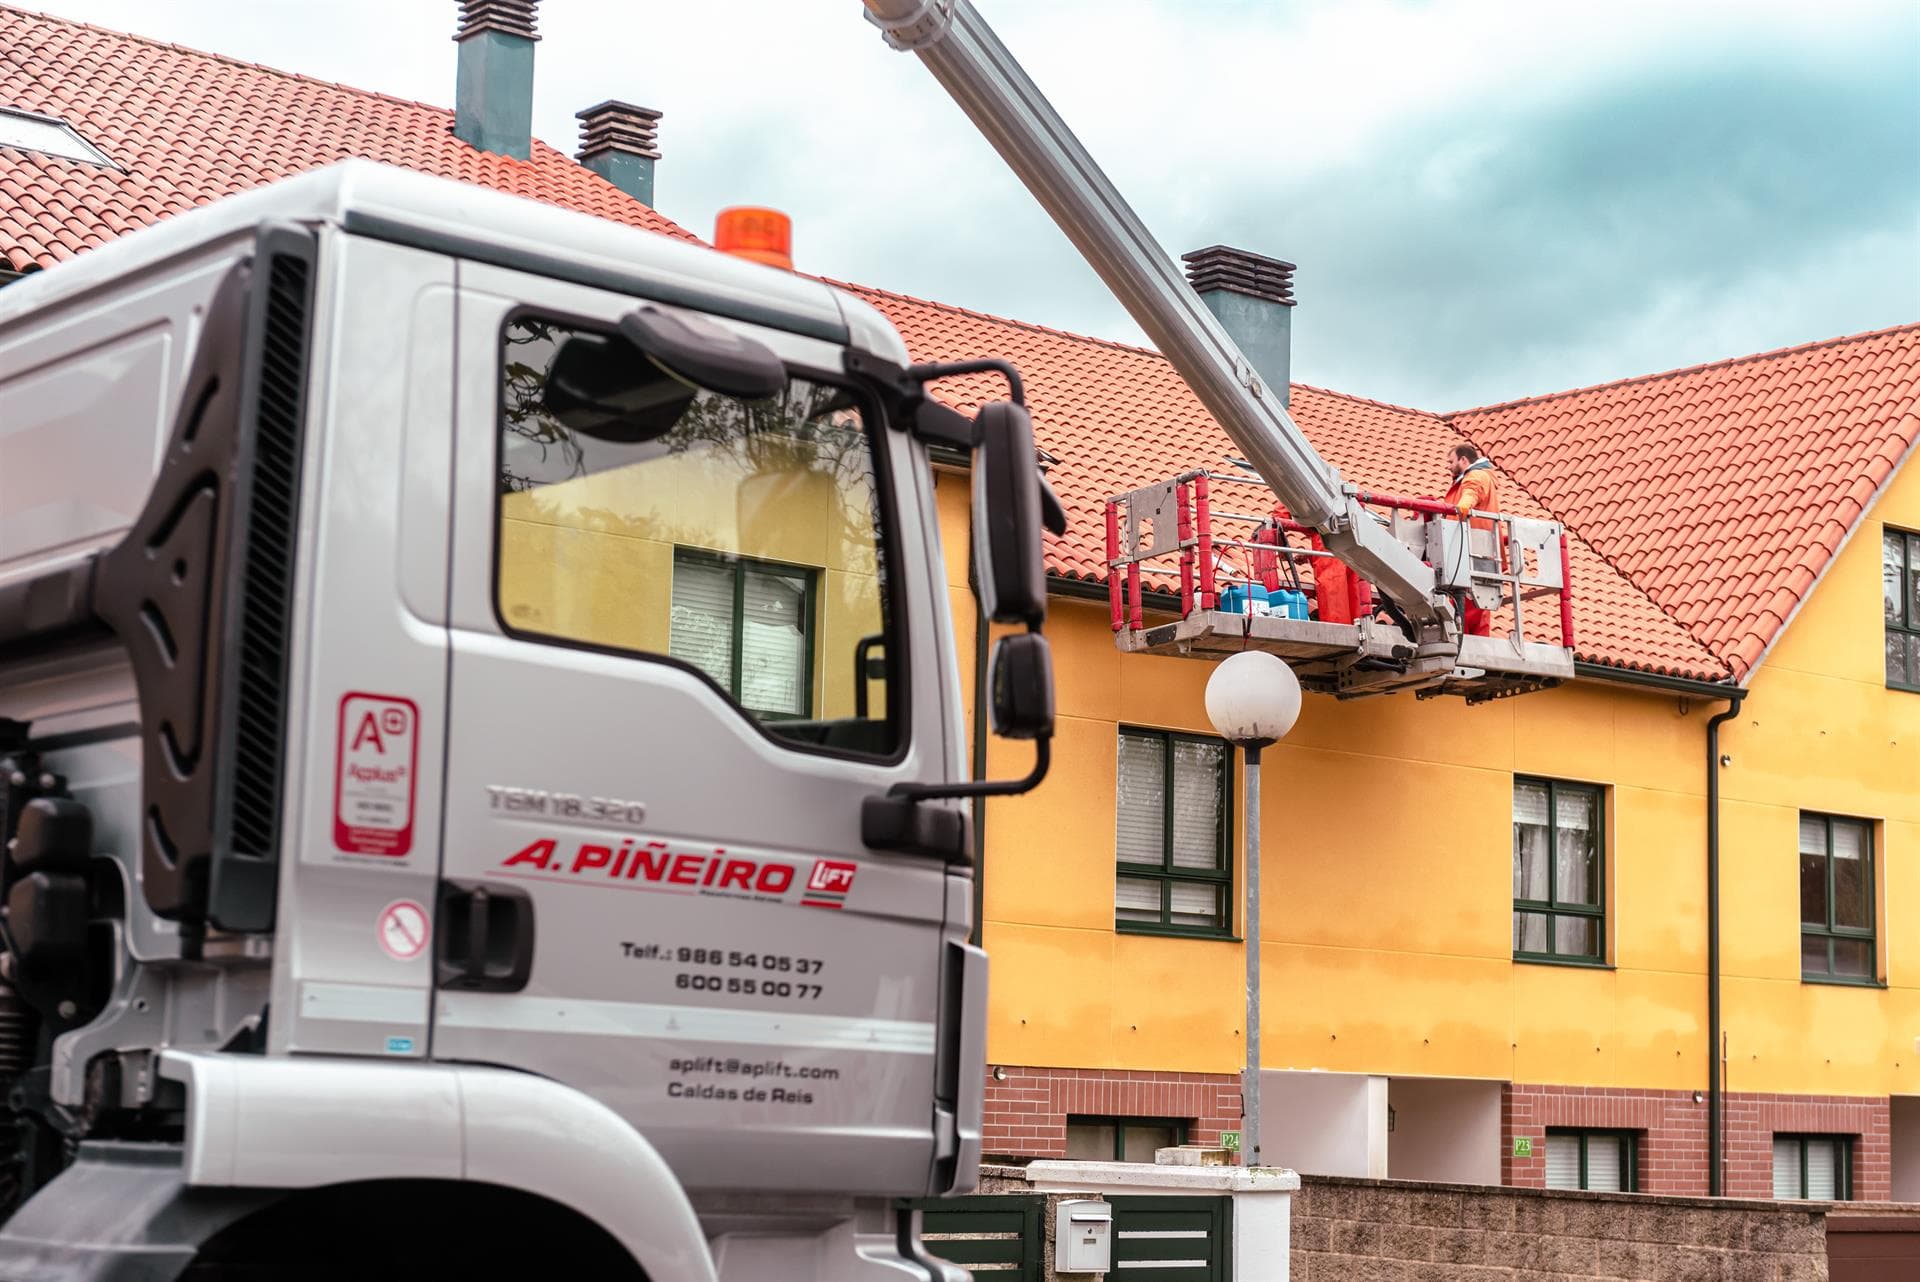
(1222,568)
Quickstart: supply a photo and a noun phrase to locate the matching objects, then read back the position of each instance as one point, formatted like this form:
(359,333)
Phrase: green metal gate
(995,1237)
(1173,1239)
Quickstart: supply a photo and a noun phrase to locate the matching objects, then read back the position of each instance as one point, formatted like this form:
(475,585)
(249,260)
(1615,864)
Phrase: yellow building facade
(1388,919)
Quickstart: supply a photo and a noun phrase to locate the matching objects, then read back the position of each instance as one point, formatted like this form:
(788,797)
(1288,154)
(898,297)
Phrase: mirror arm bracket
(1016,390)
(1042,758)
(911,408)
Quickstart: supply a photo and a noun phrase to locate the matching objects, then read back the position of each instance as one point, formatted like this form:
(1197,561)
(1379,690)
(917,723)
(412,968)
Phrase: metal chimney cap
(508,17)
(615,126)
(1240,271)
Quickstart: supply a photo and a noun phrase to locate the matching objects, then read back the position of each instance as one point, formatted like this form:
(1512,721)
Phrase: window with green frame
(1597,1161)
(1900,593)
(1122,1139)
(1836,900)
(1817,1168)
(1559,872)
(1173,831)
(749,625)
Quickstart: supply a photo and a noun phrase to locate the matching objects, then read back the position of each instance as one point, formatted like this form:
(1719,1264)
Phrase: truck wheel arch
(413,1228)
(297,1123)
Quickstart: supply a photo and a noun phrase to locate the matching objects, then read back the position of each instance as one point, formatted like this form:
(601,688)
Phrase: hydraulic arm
(965,56)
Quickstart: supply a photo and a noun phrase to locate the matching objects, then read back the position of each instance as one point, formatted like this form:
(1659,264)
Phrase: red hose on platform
(1430,507)
(1566,593)
(1113,570)
(1133,593)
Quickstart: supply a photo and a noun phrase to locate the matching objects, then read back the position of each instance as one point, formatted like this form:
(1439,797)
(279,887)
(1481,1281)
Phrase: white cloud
(1365,139)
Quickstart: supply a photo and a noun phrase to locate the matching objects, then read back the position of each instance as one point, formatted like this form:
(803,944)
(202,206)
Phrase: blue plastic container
(1241,598)
(1288,603)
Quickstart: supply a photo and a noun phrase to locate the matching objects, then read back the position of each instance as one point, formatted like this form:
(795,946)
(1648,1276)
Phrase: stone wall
(1380,1231)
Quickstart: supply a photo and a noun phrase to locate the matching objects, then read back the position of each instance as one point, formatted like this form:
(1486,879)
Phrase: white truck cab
(478,720)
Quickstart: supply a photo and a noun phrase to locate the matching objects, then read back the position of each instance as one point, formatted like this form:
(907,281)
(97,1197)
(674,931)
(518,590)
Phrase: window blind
(1823,1167)
(773,643)
(1136,899)
(1196,904)
(1603,1163)
(1563,1161)
(1142,814)
(702,627)
(1786,1168)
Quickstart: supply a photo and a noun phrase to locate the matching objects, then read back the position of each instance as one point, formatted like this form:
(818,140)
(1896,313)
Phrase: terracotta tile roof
(188,127)
(1706,501)
(1722,490)
(1118,416)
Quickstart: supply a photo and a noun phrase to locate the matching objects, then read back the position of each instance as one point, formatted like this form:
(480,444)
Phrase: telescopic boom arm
(968,60)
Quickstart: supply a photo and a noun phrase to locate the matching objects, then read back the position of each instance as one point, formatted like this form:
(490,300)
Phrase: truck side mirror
(634,386)
(1022,684)
(1008,568)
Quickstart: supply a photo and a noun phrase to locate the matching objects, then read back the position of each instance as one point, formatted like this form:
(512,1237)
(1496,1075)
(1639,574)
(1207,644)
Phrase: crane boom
(966,57)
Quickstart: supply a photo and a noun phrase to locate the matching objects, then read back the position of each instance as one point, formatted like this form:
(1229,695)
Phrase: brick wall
(1345,1230)
(1673,1149)
(1027,1112)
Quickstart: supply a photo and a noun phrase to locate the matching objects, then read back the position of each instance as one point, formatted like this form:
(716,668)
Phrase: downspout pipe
(1715,1104)
(980,666)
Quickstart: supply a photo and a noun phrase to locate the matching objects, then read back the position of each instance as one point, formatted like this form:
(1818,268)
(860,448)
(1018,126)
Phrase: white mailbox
(1083,1237)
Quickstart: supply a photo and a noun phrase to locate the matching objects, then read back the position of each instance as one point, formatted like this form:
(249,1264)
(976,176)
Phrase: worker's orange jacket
(1476,490)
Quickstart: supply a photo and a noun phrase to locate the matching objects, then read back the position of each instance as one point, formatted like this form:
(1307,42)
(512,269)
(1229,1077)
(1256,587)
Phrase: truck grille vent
(266,601)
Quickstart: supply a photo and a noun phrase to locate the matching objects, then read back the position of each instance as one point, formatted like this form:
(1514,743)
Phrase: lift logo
(375,762)
(828,884)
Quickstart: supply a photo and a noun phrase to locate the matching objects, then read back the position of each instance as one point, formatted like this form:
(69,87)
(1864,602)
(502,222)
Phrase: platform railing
(1191,530)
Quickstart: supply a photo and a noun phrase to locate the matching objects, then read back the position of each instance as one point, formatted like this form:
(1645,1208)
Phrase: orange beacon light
(764,235)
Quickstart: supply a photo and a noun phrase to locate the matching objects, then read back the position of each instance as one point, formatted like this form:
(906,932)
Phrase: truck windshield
(745,542)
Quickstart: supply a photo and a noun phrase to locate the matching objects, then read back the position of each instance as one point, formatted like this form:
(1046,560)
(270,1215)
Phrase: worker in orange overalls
(1475,489)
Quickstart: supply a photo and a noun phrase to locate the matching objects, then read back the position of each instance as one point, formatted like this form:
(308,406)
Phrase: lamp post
(1253,699)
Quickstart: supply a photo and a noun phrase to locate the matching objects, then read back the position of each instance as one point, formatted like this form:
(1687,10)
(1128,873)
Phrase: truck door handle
(486,937)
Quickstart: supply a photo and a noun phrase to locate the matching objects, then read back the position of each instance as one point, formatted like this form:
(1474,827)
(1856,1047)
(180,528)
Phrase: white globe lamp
(1253,699)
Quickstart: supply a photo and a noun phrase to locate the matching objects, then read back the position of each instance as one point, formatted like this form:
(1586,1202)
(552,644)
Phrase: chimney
(493,96)
(619,141)
(1252,298)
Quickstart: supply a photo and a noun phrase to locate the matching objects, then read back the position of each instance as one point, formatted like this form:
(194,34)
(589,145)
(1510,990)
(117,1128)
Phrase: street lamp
(1253,699)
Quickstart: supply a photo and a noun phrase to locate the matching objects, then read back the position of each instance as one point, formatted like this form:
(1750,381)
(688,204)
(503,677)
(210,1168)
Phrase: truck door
(690,634)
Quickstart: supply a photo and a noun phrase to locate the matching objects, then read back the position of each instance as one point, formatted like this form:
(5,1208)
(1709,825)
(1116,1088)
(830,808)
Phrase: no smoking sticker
(375,763)
(404,929)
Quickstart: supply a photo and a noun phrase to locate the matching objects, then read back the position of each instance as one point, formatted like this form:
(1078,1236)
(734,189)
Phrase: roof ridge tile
(1724,363)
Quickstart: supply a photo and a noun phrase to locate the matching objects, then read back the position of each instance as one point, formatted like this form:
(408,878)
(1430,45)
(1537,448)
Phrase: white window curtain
(1199,804)
(702,627)
(1142,806)
(1576,862)
(1530,835)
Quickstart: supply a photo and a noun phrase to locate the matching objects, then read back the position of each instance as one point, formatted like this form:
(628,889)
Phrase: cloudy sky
(1487,199)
